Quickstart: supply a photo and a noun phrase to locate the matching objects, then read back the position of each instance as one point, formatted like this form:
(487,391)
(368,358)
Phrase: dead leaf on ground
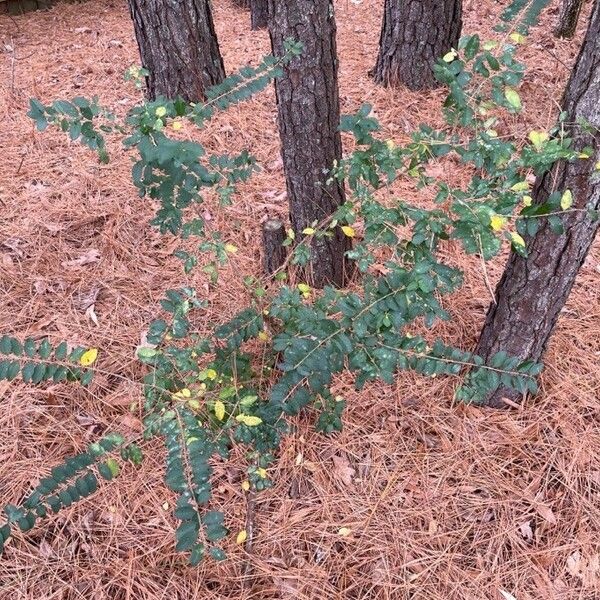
(342,470)
(586,569)
(526,531)
(89,257)
(546,513)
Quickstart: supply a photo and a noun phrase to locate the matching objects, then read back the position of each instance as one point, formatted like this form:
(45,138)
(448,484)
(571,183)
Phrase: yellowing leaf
(304,288)
(527,200)
(263,336)
(513,98)
(242,536)
(517,38)
(88,357)
(517,240)
(492,132)
(177,125)
(390,144)
(521,186)
(567,200)
(291,234)
(113,465)
(308,231)
(348,231)
(230,248)
(211,374)
(248,420)
(597,166)
(161,111)
(344,531)
(219,410)
(538,138)
(450,56)
(498,222)
(194,404)
(245,485)
(261,472)
(489,45)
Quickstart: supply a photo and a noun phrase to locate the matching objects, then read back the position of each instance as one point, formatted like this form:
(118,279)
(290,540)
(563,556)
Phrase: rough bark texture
(259,13)
(309,116)
(414,34)
(274,252)
(568,17)
(533,290)
(179,47)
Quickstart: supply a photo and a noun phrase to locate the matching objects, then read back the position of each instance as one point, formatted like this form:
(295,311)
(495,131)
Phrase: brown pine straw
(443,501)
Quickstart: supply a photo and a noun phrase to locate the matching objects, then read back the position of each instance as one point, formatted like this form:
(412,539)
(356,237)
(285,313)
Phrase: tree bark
(568,17)
(414,34)
(533,290)
(178,46)
(309,117)
(259,13)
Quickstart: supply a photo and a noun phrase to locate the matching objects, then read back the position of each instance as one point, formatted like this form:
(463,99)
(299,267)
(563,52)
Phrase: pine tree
(414,34)
(309,117)
(178,46)
(534,289)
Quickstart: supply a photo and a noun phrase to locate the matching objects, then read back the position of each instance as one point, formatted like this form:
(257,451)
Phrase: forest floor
(444,501)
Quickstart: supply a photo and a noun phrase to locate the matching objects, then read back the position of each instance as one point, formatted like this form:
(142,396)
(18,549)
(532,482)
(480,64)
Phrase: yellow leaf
(291,234)
(489,45)
(249,420)
(497,222)
(304,288)
(161,111)
(263,336)
(177,125)
(390,144)
(88,357)
(521,186)
(308,231)
(219,410)
(211,374)
(113,466)
(344,531)
(492,132)
(194,404)
(517,240)
(450,56)
(245,485)
(597,166)
(527,200)
(242,536)
(230,248)
(567,200)
(261,472)
(348,231)
(517,38)
(538,138)
(513,98)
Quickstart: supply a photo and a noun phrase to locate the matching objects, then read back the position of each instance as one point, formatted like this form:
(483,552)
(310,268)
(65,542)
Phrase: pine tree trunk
(178,46)
(259,13)
(414,34)
(533,290)
(309,116)
(568,17)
